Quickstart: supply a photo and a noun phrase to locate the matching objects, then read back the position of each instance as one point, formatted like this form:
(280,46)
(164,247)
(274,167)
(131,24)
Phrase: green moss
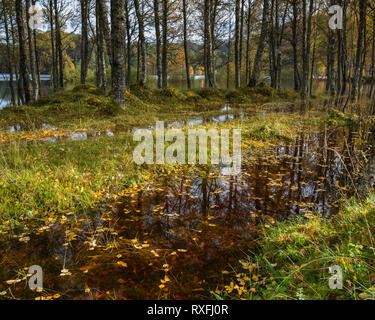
(338,117)
(287,94)
(236,96)
(268,131)
(141,92)
(265,90)
(89,89)
(172,93)
(192,96)
(210,93)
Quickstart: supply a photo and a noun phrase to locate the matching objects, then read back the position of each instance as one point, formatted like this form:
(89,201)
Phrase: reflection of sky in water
(79,136)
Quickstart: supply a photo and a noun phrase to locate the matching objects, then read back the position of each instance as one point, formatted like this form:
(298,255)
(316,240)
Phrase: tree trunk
(158,43)
(229,51)
(357,76)
(9,56)
(118,55)
(344,50)
(37,58)
(101,78)
(142,43)
(53,47)
(32,62)
(84,40)
(24,71)
(165,45)
(331,62)
(306,45)
(103,16)
(211,82)
(241,36)
(129,44)
(313,60)
(273,34)
(280,38)
(248,42)
(237,72)
(294,45)
(261,45)
(186,48)
(59,49)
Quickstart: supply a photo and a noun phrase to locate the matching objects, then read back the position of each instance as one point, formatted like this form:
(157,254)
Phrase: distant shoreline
(5,77)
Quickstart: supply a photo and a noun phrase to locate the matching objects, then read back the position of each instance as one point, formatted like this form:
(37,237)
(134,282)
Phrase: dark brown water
(173,235)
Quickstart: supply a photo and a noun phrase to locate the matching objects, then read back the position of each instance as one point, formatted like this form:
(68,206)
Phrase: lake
(5,96)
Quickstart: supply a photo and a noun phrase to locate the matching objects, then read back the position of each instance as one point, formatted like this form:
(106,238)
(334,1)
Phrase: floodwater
(173,235)
(224,114)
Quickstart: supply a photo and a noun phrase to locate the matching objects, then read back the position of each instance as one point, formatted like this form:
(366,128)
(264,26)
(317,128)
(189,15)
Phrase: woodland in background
(236,42)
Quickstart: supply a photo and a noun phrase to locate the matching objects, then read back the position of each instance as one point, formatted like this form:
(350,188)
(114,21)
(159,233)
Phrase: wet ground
(174,235)
(49,133)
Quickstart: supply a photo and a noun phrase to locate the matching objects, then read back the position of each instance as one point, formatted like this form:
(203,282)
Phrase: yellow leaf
(363,295)
(122,264)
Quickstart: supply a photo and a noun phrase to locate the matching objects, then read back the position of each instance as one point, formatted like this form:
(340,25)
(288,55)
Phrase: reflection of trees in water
(295,178)
(5,95)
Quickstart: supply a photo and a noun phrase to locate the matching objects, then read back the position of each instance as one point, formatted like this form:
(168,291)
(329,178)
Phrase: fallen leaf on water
(122,264)
(65,272)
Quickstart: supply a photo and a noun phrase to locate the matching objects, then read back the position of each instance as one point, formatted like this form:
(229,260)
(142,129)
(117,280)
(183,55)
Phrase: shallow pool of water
(172,236)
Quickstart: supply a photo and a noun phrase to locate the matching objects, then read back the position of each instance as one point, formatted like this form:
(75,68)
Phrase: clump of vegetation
(287,94)
(133,102)
(270,129)
(265,90)
(262,93)
(86,88)
(266,131)
(141,92)
(292,258)
(340,118)
(192,96)
(172,93)
(238,96)
(211,93)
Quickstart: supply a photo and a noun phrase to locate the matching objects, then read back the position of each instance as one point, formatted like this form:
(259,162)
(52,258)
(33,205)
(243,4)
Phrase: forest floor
(74,201)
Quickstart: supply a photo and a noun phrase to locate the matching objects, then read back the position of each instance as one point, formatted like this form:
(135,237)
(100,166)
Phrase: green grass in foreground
(293,257)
